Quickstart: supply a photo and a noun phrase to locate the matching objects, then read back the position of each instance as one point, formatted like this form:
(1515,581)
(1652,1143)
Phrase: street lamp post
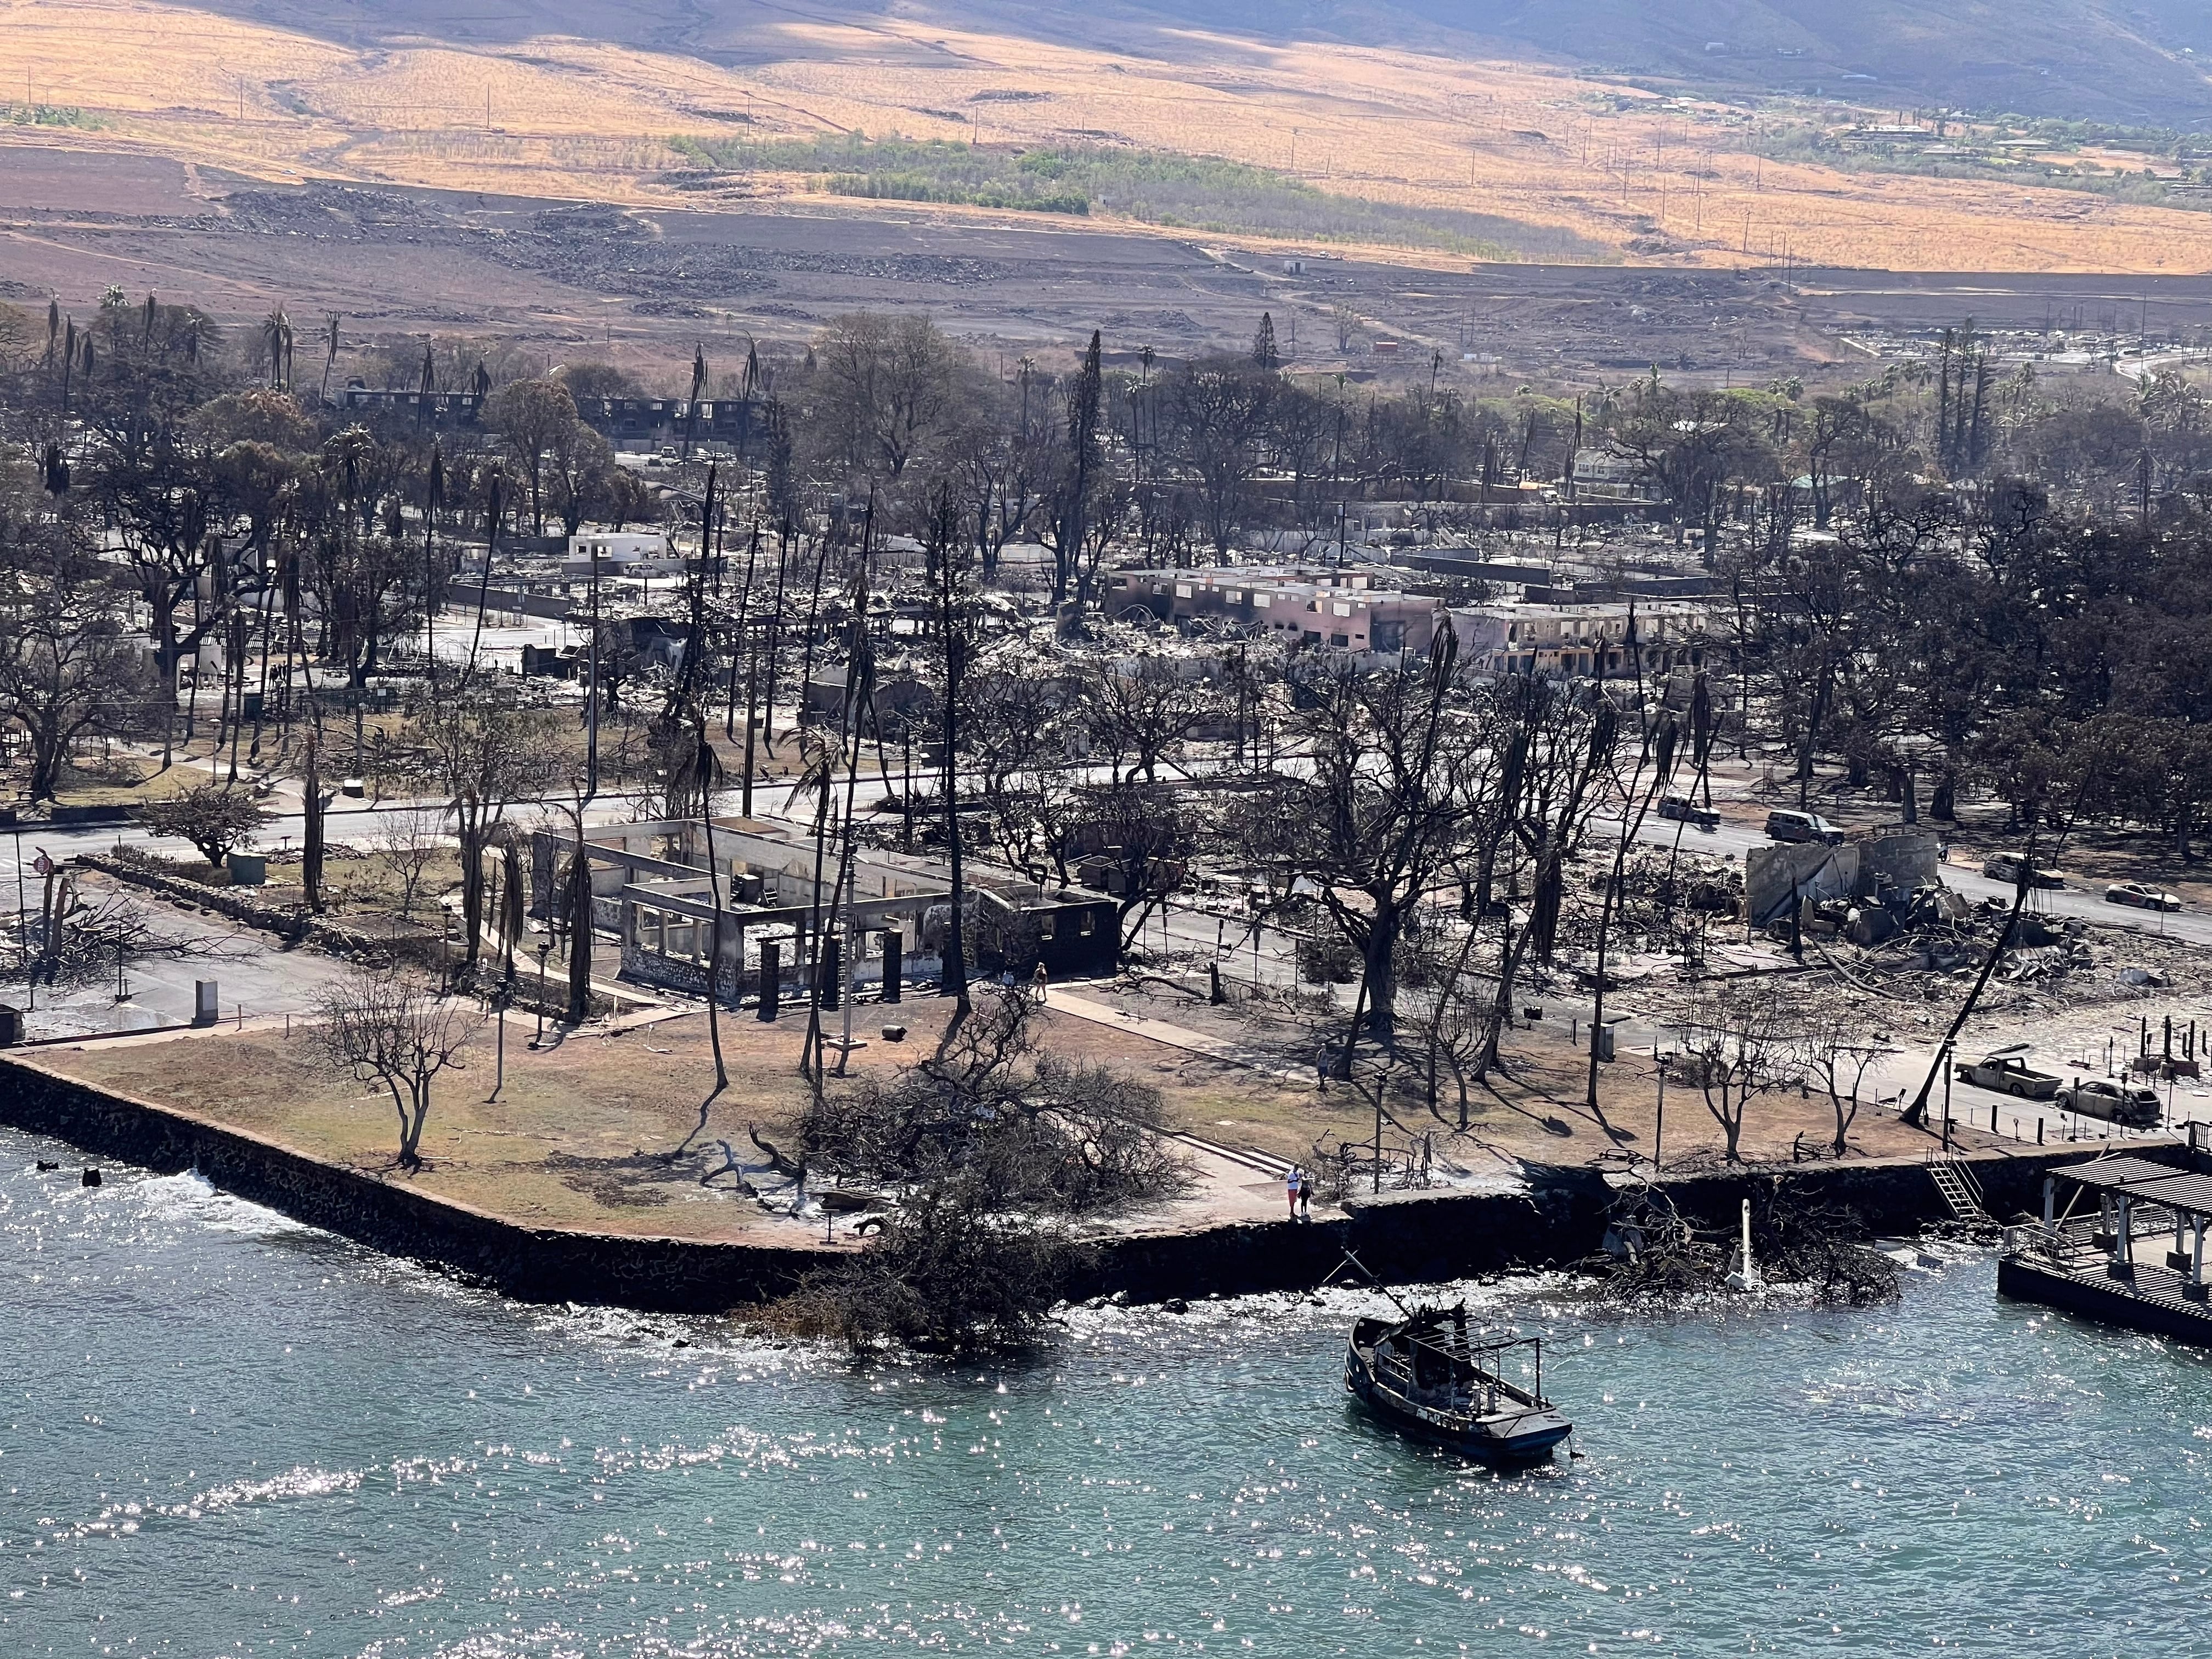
(1946,1097)
(499,1073)
(23,929)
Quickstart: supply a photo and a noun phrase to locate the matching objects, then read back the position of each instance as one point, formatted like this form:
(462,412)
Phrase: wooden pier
(2137,1261)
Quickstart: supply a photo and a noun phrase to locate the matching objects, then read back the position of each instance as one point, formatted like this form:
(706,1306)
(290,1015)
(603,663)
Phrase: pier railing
(2081,1240)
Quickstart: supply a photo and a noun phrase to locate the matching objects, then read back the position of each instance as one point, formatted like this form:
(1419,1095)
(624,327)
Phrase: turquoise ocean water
(224,1434)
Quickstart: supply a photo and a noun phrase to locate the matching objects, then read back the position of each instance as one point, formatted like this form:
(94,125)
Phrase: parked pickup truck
(2008,1074)
(2116,1102)
(1683,810)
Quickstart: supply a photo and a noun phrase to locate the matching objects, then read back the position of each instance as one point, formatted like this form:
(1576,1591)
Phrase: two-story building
(1353,608)
(1570,641)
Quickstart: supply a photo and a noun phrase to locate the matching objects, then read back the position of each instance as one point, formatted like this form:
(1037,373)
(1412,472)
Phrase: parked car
(1803,826)
(2116,1102)
(1682,809)
(2006,867)
(2007,1073)
(2143,896)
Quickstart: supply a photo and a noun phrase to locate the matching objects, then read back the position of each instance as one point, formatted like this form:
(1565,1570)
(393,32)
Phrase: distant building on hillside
(633,421)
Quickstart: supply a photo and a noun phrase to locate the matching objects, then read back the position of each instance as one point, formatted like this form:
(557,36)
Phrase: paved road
(1189,930)
(257,978)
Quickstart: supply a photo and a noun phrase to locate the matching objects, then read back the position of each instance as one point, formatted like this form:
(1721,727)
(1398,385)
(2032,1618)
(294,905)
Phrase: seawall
(531,1264)
(1400,1237)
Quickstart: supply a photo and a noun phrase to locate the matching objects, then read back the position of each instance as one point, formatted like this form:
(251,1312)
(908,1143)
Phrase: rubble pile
(1669,905)
(1681,881)
(1917,957)
(1932,952)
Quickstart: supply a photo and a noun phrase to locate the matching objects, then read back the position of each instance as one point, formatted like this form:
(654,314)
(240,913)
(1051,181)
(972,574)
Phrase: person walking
(1037,984)
(1305,1195)
(1292,1183)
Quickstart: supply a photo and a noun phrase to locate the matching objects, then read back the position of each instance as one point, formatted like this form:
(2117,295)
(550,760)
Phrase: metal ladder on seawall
(1960,1191)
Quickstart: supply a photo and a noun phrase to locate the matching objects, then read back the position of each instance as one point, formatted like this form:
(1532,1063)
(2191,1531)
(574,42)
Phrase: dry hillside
(582,99)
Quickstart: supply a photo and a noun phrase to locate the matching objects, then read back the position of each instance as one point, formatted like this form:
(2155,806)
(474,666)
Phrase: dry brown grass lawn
(580,1137)
(564,116)
(580,1134)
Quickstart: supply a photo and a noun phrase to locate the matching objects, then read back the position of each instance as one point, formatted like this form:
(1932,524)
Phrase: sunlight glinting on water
(228,1434)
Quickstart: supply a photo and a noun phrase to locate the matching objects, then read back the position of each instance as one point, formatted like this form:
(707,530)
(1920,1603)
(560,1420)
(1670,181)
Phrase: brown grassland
(580,1134)
(1657,180)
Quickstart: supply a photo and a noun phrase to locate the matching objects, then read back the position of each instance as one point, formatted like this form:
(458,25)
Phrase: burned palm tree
(492,480)
(698,391)
(434,497)
(696,777)
(941,547)
(277,342)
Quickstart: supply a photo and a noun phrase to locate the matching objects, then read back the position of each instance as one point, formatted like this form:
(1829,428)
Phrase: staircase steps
(1961,1192)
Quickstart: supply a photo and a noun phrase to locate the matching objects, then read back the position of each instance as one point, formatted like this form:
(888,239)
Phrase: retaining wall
(530,1263)
(295,926)
(1400,1237)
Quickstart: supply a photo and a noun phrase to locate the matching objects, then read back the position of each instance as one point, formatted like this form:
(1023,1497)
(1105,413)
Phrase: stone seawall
(1424,1237)
(531,1264)
(1400,1237)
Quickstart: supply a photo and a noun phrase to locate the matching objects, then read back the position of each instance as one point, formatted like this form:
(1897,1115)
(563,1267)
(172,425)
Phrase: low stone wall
(1403,1238)
(295,926)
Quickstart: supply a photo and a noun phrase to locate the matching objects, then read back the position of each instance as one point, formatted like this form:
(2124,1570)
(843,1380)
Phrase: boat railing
(1474,1368)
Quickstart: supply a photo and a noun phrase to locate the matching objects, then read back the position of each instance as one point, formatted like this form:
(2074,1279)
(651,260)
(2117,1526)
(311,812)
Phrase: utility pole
(22,925)
(499,1075)
(592,725)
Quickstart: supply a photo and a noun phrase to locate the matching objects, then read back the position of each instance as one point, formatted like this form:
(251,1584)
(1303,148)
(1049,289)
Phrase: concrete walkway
(1064,1000)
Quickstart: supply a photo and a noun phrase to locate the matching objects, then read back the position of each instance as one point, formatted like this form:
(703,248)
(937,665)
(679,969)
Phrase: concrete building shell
(651,889)
(1347,609)
(1566,641)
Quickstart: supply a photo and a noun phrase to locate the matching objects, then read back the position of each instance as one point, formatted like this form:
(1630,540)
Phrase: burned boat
(1423,1374)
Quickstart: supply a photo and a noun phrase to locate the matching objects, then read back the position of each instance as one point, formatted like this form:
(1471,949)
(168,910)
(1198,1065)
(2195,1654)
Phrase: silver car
(2143,896)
